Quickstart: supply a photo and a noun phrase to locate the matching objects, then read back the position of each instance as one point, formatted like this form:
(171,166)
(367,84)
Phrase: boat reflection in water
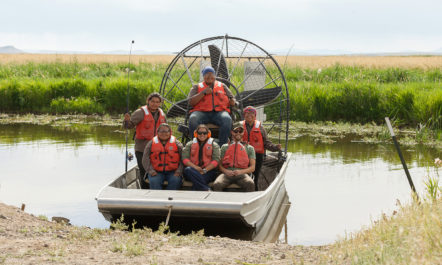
(257,216)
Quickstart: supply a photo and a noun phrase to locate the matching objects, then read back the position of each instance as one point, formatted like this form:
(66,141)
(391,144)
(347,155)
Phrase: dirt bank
(27,239)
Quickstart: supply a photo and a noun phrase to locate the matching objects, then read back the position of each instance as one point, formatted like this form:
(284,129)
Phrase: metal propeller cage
(251,73)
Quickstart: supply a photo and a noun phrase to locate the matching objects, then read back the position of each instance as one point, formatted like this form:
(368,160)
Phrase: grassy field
(332,88)
(310,62)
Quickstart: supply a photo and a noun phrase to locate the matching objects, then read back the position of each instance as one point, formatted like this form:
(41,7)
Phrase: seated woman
(201,157)
(162,159)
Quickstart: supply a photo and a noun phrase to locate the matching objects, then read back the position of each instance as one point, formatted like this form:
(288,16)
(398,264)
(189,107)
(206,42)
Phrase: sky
(363,26)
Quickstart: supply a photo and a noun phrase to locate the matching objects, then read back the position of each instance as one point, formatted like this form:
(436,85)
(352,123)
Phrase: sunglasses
(202,133)
(238,130)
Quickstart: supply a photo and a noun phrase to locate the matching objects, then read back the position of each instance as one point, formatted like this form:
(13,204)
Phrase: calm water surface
(334,188)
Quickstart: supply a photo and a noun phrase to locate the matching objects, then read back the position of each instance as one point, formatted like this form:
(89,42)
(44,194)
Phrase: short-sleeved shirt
(249,149)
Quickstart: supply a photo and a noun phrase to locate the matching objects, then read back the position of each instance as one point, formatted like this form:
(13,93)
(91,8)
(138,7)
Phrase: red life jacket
(255,137)
(217,101)
(164,157)
(147,128)
(207,152)
(236,156)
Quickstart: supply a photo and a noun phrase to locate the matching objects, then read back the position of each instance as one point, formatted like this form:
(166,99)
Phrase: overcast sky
(171,25)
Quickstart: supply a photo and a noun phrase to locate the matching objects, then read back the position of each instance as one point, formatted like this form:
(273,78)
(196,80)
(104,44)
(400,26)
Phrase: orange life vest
(254,138)
(147,128)
(164,157)
(207,152)
(217,101)
(236,156)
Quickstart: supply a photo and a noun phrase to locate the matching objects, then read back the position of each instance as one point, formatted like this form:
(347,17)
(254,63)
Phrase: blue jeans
(220,118)
(199,181)
(156,182)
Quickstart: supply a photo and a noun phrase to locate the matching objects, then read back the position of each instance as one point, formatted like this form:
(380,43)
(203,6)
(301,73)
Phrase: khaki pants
(244,181)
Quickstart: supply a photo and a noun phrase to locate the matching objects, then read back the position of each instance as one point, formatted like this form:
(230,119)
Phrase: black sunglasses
(239,130)
(201,133)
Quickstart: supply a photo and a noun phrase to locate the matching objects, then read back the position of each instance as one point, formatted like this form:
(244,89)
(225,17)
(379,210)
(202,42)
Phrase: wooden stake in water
(404,165)
(285,232)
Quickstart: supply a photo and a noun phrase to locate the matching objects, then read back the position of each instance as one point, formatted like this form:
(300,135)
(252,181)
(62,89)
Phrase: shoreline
(412,235)
(320,132)
(26,238)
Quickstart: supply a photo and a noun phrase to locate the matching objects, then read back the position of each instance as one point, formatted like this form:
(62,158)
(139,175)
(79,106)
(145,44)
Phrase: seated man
(201,157)
(237,161)
(162,159)
(256,136)
(211,101)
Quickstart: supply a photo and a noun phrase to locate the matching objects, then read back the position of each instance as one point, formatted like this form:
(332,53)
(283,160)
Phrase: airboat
(256,79)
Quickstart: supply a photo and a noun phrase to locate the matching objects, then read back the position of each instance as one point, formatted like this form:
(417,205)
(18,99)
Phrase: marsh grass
(413,235)
(339,92)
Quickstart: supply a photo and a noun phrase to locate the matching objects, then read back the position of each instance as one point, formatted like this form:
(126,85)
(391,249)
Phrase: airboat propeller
(251,73)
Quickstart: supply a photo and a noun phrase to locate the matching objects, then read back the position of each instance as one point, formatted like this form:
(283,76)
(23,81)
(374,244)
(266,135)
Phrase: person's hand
(176,174)
(279,146)
(127,117)
(208,90)
(236,172)
(230,173)
(199,169)
(153,173)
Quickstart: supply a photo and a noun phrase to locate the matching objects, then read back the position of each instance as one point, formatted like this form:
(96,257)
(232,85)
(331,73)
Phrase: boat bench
(187,185)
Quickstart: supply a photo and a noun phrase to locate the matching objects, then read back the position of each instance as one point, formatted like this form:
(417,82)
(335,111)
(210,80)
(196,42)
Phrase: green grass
(408,103)
(412,97)
(413,235)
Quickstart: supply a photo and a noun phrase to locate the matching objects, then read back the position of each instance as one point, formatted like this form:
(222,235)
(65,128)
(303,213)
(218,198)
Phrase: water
(334,188)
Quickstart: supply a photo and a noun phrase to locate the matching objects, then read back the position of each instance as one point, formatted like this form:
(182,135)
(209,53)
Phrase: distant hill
(10,50)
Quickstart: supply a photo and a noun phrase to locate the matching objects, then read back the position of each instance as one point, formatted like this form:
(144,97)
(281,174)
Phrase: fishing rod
(127,158)
(285,61)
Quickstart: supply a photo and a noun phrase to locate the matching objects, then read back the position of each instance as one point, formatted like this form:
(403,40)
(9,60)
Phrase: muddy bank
(27,239)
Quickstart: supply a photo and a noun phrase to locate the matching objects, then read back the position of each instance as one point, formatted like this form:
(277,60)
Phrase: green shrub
(75,105)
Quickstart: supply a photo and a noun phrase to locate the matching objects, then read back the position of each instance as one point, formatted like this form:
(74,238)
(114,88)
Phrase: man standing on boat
(201,157)
(162,160)
(256,136)
(211,101)
(146,120)
(237,162)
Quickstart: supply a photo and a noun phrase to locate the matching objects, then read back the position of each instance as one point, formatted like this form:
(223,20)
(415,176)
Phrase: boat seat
(212,126)
(187,185)
(214,129)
